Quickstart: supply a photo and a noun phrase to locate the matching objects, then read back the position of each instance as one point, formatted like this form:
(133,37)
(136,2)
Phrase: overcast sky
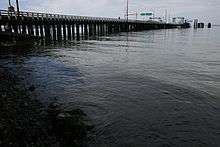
(204,10)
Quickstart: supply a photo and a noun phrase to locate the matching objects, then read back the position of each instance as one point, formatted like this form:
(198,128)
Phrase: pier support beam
(82,30)
(94,29)
(54,32)
(77,31)
(8,27)
(15,26)
(37,30)
(42,30)
(86,29)
(47,31)
(59,32)
(101,29)
(90,29)
(30,29)
(69,31)
(73,30)
(24,28)
(64,31)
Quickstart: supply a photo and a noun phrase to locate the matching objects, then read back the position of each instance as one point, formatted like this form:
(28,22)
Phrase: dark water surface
(156,88)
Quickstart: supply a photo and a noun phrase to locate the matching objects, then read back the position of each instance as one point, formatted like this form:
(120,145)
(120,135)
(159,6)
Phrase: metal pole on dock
(127,10)
(127,15)
(9,3)
(18,10)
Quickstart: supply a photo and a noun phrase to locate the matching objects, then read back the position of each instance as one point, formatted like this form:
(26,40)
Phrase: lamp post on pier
(17,4)
(11,8)
(127,11)
(9,2)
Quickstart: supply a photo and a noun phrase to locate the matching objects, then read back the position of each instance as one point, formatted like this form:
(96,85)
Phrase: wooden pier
(68,27)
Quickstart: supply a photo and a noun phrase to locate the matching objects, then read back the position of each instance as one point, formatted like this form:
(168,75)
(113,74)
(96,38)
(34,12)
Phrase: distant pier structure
(68,27)
(201,25)
(198,24)
(196,21)
(209,25)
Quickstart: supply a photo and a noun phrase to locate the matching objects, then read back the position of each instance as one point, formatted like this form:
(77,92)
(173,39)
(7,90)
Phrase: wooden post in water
(90,29)
(106,28)
(59,32)
(41,29)
(77,31)
(15,26)
(95,29)
(69,31)
(54,32)
(109,28)
(47,31)
(30,26)
(8,26)
(101,29)
(37,29)
(24,28)
(82,28)
(73,30)
(64,31)
(86,29)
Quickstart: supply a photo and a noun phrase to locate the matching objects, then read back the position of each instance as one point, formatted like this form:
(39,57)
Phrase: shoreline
(22,115)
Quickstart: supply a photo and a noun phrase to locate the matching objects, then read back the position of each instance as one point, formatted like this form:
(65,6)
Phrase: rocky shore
(24,121)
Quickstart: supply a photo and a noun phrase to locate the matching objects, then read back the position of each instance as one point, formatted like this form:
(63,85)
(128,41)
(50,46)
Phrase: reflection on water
(156,88)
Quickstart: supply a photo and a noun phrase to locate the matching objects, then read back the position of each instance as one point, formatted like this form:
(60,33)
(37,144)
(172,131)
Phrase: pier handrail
(61,16)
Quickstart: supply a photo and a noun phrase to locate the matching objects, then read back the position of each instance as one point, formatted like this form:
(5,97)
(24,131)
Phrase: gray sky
(205,10)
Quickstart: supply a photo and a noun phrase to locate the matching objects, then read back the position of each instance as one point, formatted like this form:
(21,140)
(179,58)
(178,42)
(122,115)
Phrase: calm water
(156,88)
